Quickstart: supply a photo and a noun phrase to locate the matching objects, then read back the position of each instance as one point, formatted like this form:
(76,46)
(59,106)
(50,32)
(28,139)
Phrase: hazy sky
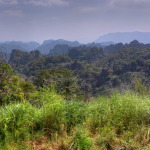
(82,20)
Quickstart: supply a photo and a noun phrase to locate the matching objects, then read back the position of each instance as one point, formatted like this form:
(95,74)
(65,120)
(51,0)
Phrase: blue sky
(81,20)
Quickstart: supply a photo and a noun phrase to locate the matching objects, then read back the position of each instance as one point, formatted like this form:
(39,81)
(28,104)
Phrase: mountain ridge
(48,45)
(125,37)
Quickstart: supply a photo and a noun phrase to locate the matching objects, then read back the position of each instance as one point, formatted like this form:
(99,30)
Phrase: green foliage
(57,59)
(63,80)
(6,72)
(13,91)
(59,50)
(139,86)
(121,112)
(12,88)
(75,114)
(20,121)
(53,111)
(81,125)
(121,118)
(27,88)
(112,67)
(81,140)
(16,90)
(17,121)
(85,53)
(19,57)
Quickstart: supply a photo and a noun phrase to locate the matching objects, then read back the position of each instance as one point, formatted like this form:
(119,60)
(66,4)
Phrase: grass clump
(17,121)
(121,119)
(75,114)
(53,112)
(81,140)
(121,111)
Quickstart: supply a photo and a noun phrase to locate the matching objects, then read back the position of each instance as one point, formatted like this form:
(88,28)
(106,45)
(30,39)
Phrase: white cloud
(35,2)
(8,2)
(12,13)
(47,2)
(88,9)
(131,4)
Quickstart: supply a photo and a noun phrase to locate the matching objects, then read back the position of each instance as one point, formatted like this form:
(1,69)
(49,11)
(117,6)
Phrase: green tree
(139,86)
(6,72)
(63,80)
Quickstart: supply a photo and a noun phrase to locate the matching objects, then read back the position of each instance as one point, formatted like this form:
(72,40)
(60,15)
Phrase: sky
(80,20)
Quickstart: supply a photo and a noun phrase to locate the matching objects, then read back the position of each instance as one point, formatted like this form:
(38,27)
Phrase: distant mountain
(26,46)
(125,37)
(59,50)
(107,43)
(50,44)
(120,46)
(22,58)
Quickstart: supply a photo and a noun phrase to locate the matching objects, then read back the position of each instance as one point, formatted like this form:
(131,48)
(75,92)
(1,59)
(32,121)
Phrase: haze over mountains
(26,46)
(44,48)
(125,37)
(50,44)
(105,40)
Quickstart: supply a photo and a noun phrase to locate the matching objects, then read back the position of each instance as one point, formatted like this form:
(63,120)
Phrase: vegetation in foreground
(48,121)
(34,116)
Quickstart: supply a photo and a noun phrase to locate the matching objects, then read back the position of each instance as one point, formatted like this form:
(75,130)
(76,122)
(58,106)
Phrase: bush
(123,118)
(16,90)
(75,114)
(52,108)
(121,111)
(81,140)
(17,121)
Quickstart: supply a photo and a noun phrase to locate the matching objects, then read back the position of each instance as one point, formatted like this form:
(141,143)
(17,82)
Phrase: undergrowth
(51,122)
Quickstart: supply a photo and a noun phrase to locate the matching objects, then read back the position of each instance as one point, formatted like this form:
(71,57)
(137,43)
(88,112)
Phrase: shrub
(122,112)
(81,140)
(17,121)
(53,111)
(75,114)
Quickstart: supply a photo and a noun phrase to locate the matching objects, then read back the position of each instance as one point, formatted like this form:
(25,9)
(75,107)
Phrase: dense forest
(87,97)
(95,70)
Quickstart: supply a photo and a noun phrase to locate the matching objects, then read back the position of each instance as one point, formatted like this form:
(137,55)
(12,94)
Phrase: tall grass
(121,111)
(75,114)
(17,121)
(122,119)
(120,116)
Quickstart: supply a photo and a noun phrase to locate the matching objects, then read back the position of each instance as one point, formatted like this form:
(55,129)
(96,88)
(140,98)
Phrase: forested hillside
(97,70)
(76,98)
